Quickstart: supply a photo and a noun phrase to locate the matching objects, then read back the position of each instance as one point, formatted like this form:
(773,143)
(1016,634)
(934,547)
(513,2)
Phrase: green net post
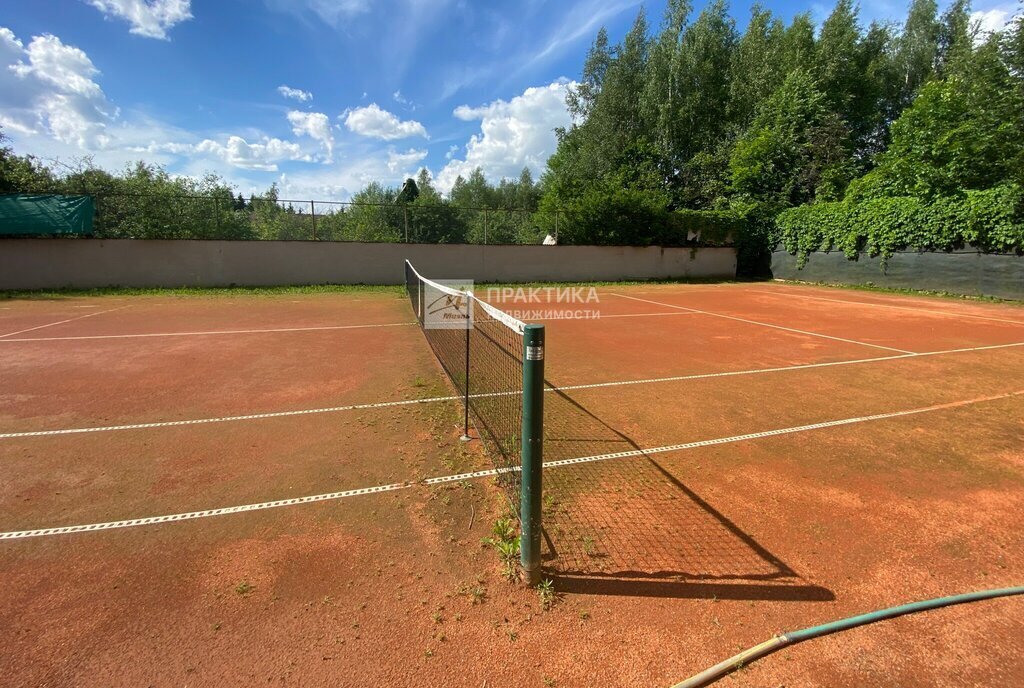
(532,452)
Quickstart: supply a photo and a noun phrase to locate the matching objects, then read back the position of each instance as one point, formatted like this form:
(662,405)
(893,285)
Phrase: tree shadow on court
(629,526)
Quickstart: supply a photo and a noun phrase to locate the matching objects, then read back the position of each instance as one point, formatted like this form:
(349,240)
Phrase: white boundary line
(764,324)
(60,322)
(227,419)
(393,487)
(613,315)
(196,334)
(923,311)
(280,329)
(802,366)
(428,400)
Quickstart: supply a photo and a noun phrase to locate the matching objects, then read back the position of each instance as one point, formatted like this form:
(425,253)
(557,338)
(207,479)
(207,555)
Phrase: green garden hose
(721,669)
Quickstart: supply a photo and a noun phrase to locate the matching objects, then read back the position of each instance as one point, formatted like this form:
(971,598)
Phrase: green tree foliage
(660,98)
(964,131)
(701,74)
(145,202)
(837,64)
(798,43)
(1013,48)
(955,36)
(755,122)
(785,116)
(23,173)
(916,51)
(374,215)
(432,219)
(906,135)
(795,151)
(409,193)
(952,175)
(757,67)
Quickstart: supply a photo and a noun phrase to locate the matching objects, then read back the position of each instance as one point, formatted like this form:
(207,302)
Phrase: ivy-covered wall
(990,221)
(999,275)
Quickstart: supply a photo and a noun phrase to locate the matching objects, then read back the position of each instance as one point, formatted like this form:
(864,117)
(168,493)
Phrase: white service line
(196,334)
(923,311)
(428,400)
(227,419)
(393,487)
(764,324)
(613,315)
(61,322)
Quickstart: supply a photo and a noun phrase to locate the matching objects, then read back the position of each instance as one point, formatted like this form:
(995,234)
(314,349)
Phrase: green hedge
(991,221)
(711,227)
(751,230)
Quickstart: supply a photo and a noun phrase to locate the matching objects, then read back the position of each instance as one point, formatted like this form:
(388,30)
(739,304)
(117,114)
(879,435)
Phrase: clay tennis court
(234,489)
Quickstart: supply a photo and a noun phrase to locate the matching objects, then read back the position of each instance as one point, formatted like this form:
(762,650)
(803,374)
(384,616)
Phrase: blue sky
(319,96)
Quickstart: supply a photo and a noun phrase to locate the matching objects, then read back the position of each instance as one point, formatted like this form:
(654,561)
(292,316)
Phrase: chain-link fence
(175,216)
(204,217)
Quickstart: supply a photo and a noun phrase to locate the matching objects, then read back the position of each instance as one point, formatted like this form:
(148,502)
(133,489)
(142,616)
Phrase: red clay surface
(664,562)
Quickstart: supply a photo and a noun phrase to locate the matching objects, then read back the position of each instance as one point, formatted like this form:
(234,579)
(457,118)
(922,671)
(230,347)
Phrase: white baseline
(392,487)
(59,322)
(429,400)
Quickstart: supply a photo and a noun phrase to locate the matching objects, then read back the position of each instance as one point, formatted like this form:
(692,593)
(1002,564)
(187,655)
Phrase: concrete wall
(970,273)
(84,263)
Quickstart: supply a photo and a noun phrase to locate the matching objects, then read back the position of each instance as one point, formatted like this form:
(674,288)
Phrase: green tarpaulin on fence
(34,215)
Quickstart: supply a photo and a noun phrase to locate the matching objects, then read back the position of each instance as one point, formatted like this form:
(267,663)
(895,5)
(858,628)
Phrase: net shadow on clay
(631,526)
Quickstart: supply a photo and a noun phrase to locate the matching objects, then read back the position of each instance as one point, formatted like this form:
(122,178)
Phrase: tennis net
(481,349)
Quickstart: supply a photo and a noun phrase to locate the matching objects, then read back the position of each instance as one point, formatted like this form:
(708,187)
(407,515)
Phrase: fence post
(312,212)
(532,453)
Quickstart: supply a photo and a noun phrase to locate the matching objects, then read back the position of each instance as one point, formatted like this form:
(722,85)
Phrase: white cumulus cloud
(377,123)
(252,156)
(63,66)
(991,20)
(314,125)
(295,93)
(513,134)
(401,161)
(150,18)
(49,87)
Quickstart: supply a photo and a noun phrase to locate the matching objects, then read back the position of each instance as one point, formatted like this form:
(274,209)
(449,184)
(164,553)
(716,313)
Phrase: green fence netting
(45,214)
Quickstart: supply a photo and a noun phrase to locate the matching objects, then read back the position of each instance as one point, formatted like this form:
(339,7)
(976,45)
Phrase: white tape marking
(923,311)
(198,334)
(802,366)
(428,400)
(392,487)
(615,315)
(282,329)
(764,324)
(61,322)
(227,419)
